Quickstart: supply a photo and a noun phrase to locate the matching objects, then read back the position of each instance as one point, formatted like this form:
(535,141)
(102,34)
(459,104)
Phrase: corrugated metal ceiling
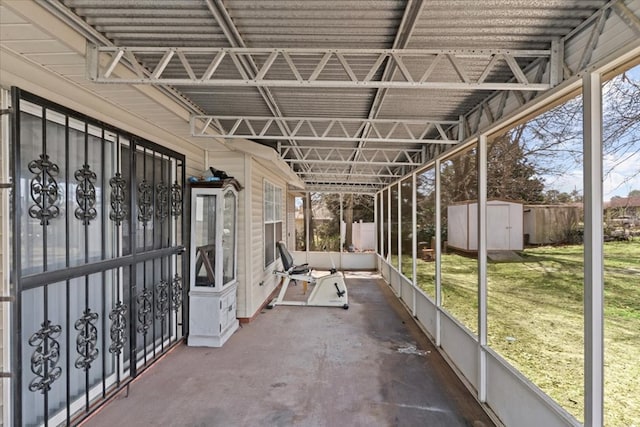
(372,24)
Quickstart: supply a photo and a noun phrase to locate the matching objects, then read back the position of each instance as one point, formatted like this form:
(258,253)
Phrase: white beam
(408,131)
(342,188)
(351,149)
(347,173)
(341,182)
(324,59)
(337,162)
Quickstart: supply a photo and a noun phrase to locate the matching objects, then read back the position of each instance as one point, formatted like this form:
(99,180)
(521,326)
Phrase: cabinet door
(224,311)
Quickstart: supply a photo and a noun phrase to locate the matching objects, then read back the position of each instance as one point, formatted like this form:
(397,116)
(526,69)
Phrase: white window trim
(275,187)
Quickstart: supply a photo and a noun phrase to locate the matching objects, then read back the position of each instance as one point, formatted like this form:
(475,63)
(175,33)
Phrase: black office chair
(287,261)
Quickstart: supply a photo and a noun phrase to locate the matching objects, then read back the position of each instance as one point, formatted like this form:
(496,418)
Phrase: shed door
(498,227)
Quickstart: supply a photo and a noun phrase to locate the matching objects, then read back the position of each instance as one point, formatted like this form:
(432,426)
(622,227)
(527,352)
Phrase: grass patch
(536,322)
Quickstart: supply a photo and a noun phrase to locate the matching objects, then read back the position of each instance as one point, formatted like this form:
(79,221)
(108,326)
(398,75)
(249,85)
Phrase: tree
(459,178)
(634,193)
(510,176)
(554,197)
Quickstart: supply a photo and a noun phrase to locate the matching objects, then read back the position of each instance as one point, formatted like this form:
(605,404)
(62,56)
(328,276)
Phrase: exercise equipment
(328,290)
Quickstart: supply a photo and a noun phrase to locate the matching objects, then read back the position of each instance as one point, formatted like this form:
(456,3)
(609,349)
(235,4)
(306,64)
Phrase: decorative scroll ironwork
(162,299)
(44,189)
(145,210)
(162,201)
(145,308)
(176,292)
(45,357)
(86,194)
(118,197)
(118,327)
(176,199)
(87,339)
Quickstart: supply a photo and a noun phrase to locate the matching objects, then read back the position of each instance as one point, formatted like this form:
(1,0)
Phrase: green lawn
(535,316)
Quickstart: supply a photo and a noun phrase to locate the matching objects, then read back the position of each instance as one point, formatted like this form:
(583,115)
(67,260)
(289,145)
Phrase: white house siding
(233,163)
(264,281)
(290,236)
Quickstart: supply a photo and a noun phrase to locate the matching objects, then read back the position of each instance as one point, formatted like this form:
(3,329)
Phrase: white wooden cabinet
(213,263)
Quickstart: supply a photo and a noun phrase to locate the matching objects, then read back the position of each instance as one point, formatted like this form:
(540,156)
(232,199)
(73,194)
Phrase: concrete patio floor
(306,366)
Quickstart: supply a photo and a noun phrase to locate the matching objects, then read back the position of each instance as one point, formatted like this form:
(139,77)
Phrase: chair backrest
(287,259)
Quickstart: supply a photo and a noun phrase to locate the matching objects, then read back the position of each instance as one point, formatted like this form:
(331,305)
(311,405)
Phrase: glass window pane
(229,237)
(278,201)
(300,223)
(268,202)
(394,225)
(94,228)
(406,225)
(385,223)
(31,148)
(535,294)
(621,125)
(426,230)
(56,230)
(278,236)
(324,230)
(205,235)
(459,274)
(269,244)
(359,234)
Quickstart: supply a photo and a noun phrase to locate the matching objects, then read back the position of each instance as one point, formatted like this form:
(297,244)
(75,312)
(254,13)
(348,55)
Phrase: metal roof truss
(324,129)
(314,67)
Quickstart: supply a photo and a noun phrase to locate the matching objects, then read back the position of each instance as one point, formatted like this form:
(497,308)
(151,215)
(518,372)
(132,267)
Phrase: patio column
(482,268)
(414,242)
(388,257)
(438,254)
(593,253)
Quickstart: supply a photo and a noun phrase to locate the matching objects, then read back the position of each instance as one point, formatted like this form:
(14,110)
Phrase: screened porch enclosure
(388,135)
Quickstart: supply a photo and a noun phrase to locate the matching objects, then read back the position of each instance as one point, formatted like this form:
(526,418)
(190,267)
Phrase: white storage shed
(504,226)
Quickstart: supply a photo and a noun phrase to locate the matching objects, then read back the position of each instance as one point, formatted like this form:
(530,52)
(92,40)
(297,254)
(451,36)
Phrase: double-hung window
(272,222)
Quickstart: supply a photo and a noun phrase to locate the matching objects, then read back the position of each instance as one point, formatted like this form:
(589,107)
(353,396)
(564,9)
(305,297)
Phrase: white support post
(414,242)
(399,239)
(342,235)
(438,254)
(389,226)
(307,221)
(376,220)
(593,253)
(482,268)
(383,239)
